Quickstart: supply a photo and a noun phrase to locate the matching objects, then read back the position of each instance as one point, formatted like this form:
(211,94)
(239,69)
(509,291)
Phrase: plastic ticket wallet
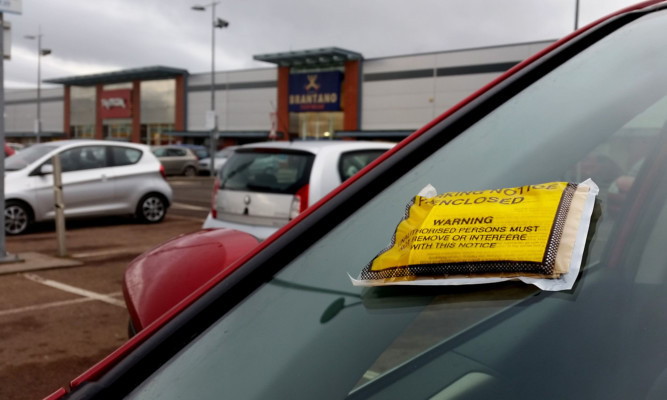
(533,233)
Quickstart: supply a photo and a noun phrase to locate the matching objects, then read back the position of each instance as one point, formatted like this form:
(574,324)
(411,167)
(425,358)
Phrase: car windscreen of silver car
(308,333)
(27,156)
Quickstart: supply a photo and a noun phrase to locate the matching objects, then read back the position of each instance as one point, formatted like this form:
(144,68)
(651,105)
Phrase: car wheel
(190,171)
(17,217)
(152,208)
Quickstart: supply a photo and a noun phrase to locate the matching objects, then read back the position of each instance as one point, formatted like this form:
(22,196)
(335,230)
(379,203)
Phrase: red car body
(8,150)
(159,279)
(158,288)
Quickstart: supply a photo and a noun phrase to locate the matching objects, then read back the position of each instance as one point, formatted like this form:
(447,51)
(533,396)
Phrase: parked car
(15,146)
(265,185)
(9,150)
(199,150)
(221,158)
(99,178)
(285,322)
(177,160)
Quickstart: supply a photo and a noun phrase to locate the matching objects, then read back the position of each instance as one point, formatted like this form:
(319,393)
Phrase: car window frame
(176,152)
(80,148)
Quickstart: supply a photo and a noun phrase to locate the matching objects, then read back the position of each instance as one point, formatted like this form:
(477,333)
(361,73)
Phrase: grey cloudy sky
(92,36)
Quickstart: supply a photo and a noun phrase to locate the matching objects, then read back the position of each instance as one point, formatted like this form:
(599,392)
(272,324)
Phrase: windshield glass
(266,171)
(309,333)
(27,156)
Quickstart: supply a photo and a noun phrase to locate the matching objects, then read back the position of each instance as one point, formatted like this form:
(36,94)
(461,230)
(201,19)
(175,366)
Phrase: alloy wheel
(16,219)
(153,209)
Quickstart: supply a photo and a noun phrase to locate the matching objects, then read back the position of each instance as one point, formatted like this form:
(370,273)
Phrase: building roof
(128,75)
(377,134)
(307,58)
(221,134)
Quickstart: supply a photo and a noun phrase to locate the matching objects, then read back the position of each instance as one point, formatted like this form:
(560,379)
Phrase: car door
(173,160)
(87,184)
(130,180)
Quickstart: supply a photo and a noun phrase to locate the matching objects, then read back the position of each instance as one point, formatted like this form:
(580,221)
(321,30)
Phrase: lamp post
(40,53)
(215,23)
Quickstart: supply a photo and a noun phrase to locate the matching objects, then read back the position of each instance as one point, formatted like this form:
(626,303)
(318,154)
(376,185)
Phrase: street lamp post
(215,23)
(40,53)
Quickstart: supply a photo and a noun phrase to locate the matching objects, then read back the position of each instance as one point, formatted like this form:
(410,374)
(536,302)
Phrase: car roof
(174,146)
(316,146)
(73,142)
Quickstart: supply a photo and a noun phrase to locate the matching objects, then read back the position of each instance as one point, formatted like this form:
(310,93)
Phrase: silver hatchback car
(263,186)
(177,160)
(99,178)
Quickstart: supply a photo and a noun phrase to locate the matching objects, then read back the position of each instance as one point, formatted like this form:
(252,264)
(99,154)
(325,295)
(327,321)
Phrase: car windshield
(266,170)
(309,333)
(27,156)
(200,153)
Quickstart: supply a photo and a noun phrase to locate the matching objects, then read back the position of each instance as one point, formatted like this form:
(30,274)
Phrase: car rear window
(125,156)
(267,171)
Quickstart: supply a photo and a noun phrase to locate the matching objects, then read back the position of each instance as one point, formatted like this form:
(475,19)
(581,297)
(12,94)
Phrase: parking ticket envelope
(534,233)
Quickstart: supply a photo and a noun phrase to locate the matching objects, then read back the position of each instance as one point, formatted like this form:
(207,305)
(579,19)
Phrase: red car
(285,322)
(8,150)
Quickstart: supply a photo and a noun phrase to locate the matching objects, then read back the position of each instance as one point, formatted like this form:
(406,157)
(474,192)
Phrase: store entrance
(315,125)
(82,131)
(117,129)
(152,134)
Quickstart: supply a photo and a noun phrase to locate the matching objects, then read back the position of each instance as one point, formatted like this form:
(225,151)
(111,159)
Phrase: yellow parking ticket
(523,231)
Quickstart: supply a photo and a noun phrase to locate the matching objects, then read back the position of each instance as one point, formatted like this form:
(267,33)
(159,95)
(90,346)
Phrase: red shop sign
(116,104)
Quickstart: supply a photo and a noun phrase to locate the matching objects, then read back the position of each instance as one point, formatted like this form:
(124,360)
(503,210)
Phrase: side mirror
(46,169)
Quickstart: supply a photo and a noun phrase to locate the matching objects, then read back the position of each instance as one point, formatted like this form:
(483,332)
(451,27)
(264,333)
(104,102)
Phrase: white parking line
(75,290)
(44,306)
(183,206)
(124,250)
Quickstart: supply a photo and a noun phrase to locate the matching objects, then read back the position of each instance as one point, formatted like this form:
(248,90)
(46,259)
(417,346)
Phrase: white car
(221,158)
(99,178)
(265,185)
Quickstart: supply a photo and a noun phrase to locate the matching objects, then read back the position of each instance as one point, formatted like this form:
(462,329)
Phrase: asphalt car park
(57,322)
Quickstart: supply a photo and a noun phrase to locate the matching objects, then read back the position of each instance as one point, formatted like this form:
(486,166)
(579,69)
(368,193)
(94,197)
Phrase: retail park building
(312,94)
